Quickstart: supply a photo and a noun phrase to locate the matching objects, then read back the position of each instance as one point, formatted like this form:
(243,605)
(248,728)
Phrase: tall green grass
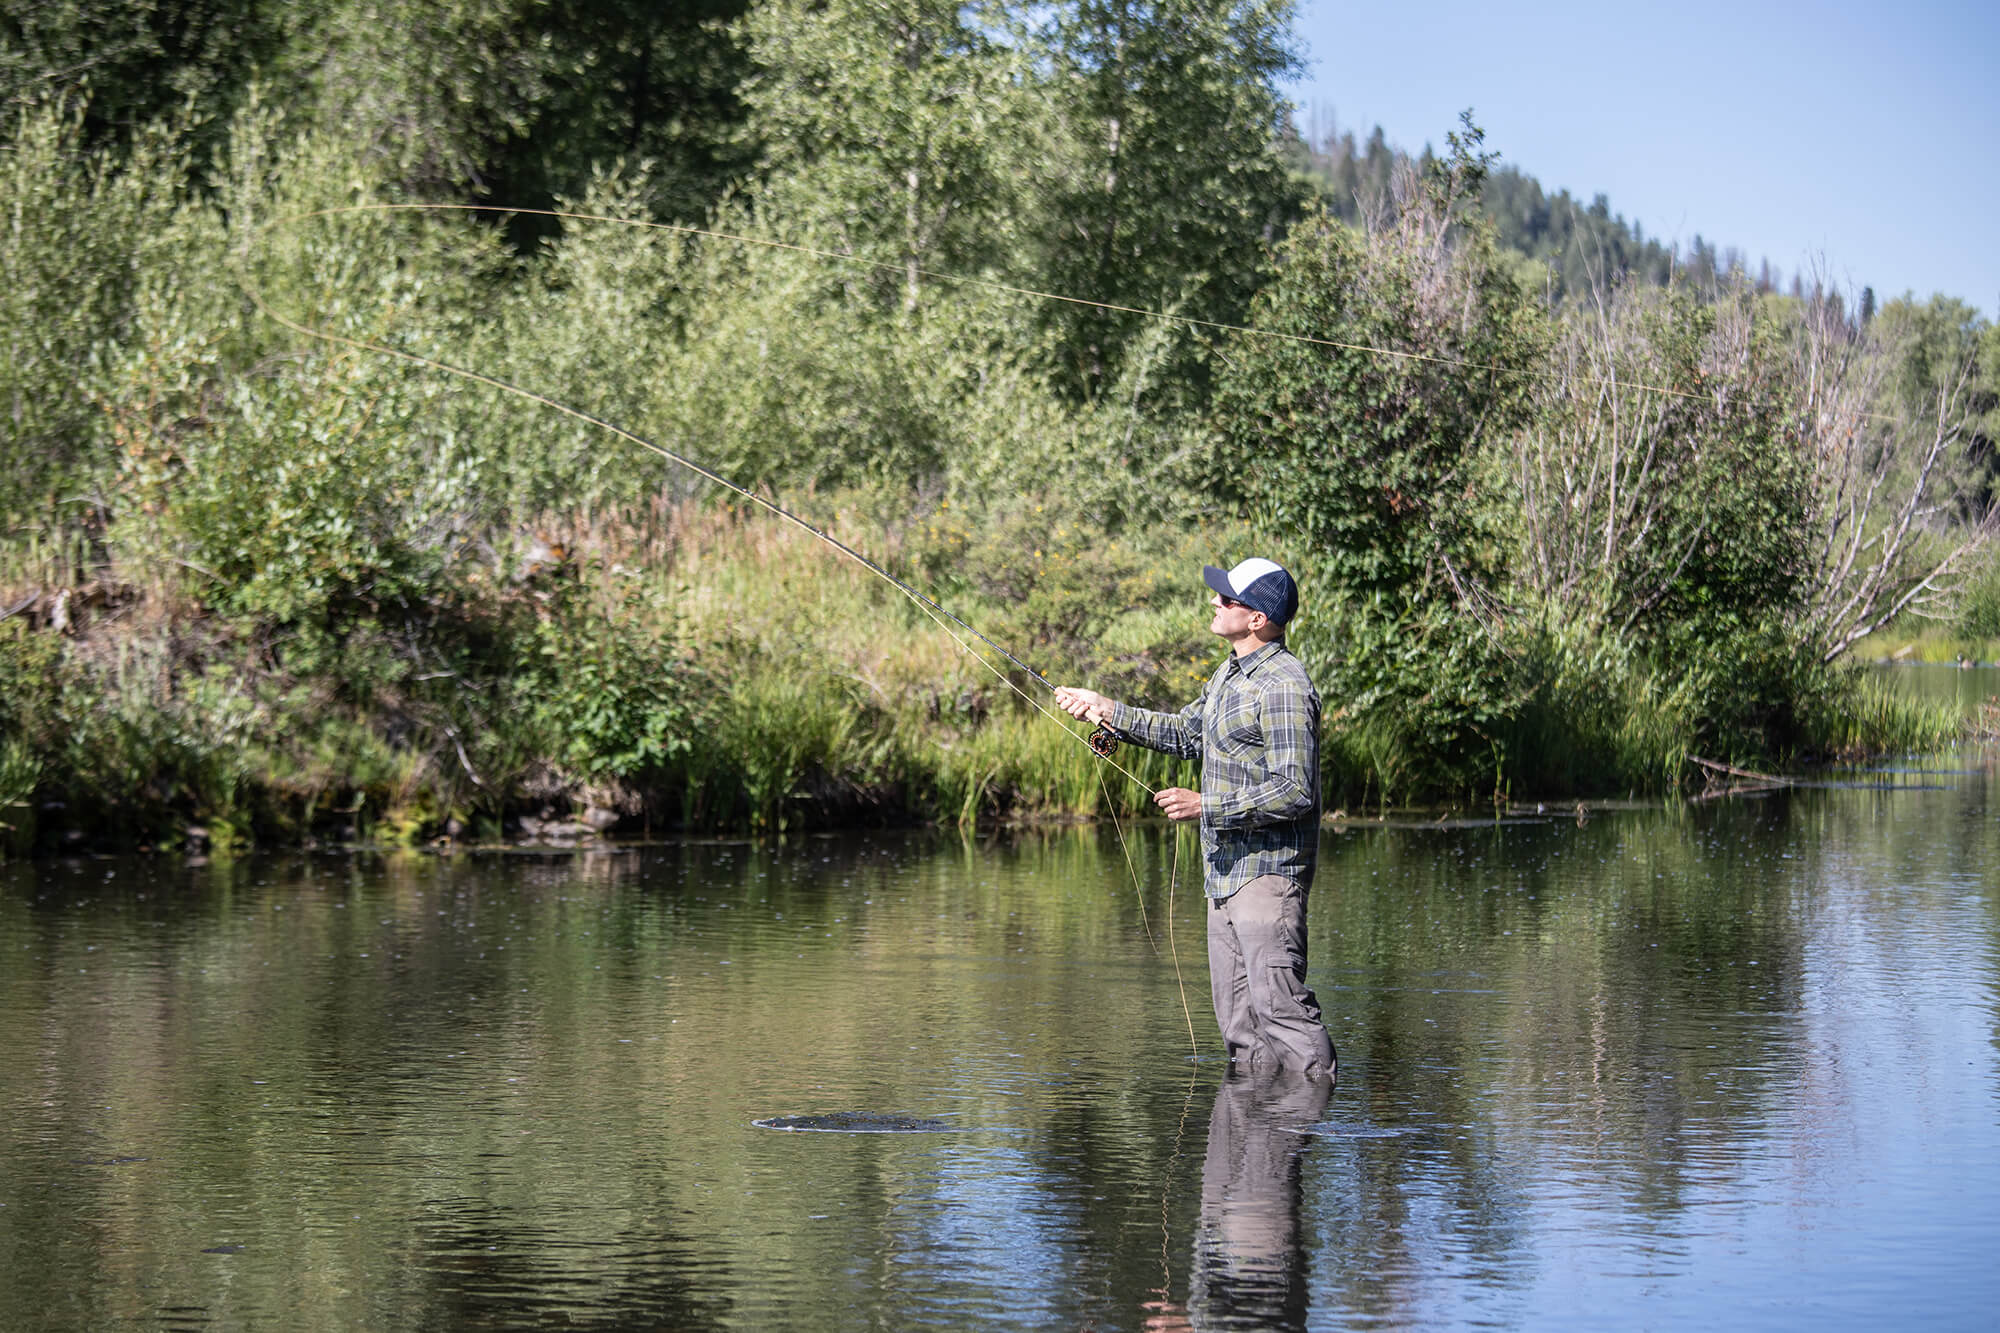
(1870,716)
(841,693)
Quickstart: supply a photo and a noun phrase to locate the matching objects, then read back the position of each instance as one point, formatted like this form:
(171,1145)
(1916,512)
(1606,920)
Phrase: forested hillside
(282,587)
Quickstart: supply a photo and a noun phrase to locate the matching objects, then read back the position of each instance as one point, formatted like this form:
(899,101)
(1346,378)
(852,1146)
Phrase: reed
(1929,646)
(1870,716)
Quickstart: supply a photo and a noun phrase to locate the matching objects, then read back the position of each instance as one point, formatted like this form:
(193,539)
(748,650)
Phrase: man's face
(1233,619)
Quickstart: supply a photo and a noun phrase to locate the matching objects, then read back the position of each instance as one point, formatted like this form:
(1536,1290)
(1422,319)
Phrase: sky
(1861,138)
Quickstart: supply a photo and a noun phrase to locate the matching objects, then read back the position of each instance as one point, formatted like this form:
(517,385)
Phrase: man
(1255,729)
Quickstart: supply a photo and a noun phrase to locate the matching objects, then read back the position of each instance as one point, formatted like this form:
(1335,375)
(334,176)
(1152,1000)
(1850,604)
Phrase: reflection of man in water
(1249,1266)
(1255,730)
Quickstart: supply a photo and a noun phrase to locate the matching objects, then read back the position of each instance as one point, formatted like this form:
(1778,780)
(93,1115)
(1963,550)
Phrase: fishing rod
(1102,741)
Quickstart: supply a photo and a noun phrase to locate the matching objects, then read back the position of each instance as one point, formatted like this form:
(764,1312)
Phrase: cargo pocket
(1286,986)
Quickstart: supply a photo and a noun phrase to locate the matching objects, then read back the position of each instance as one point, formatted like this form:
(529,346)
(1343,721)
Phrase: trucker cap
(1261,585)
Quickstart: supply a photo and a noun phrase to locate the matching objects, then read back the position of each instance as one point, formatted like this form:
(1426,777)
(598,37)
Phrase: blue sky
(1866,136)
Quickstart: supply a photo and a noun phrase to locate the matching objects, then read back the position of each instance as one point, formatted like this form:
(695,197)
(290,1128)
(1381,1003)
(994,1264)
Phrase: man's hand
(1179,803)
(1084,705)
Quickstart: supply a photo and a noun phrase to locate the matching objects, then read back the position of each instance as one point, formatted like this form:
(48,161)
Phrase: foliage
(28,729)
(138,60)
(20,773)
(1168,184)
(322,590)
(1861,714)
(1900,503)
(607,692)
(1941,350)
(1979,612)
(1367,467)
(1625,490)
(1367,457)
(308,508)
(1595,718)
(138,732)
(890,129)
(515,101)
(1124,611)
(87,232)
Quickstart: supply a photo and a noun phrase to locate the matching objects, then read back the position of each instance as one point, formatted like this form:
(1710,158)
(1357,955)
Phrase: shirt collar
(1249,662)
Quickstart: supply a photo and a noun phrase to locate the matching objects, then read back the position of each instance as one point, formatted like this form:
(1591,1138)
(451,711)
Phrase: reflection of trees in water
(1542,1002)
(1627,990)
(475,1265)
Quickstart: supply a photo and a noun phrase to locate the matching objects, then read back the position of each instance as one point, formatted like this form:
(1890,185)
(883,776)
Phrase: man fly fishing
(1255,729)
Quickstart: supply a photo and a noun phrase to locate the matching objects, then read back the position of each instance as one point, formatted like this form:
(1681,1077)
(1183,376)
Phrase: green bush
(29,728)
(1124,612)
(604,686)
(83,225)
(323,496)
(1367,469)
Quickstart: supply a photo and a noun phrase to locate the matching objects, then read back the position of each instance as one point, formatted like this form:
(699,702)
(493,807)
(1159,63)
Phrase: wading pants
(1257,977)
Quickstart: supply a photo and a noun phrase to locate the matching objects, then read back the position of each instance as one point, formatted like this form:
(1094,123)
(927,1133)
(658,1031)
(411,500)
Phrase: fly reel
(1103,741)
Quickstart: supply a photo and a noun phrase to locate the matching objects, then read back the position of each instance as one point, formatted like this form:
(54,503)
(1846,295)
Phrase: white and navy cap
(1261,585)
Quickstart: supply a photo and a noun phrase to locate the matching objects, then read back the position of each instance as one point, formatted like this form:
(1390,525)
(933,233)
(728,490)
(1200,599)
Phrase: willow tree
(893,130)
(1171,188)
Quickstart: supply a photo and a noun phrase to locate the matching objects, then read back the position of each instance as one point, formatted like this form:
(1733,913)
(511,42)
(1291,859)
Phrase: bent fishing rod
(1101,741)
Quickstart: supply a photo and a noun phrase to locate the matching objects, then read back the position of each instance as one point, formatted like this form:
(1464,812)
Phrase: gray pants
(1257,978)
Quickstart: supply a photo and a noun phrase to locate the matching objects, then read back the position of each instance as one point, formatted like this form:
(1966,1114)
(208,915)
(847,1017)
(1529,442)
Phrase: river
(1722,1065)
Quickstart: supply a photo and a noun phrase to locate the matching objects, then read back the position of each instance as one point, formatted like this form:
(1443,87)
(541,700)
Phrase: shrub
(604,686)
(1366,466)
(1979,607)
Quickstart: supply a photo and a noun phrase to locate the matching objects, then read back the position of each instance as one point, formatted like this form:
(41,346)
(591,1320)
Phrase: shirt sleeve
(1177,734)
(1287,788)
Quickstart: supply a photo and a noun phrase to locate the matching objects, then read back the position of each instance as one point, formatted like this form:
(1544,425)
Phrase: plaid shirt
(1255,729)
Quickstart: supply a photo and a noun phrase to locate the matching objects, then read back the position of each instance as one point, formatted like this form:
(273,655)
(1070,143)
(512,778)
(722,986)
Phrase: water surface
(1730,1065)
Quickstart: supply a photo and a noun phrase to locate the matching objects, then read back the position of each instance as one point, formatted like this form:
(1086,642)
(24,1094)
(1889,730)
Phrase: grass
(1874,717)
(817,695)
(1930,644)
(845,687)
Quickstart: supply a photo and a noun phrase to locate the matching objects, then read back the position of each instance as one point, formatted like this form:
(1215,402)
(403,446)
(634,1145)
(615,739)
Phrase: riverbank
(1929,648)
(696,669)
(280,589)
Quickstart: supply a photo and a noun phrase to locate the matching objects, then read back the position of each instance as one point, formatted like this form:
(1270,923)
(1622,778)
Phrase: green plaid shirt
(1255,729)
